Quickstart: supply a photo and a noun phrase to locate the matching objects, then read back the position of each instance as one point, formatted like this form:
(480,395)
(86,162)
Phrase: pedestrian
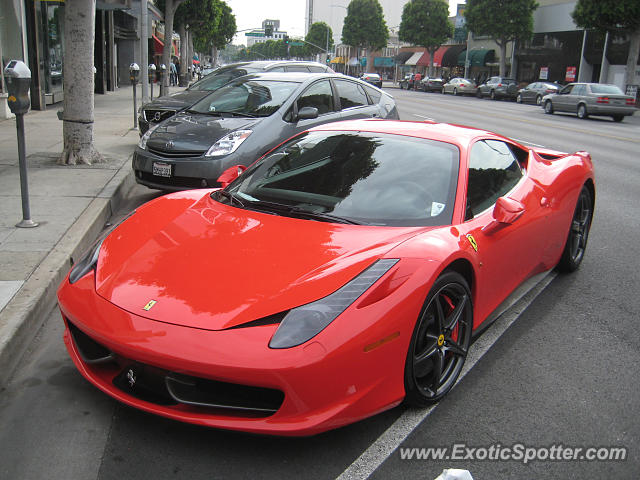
(173,74)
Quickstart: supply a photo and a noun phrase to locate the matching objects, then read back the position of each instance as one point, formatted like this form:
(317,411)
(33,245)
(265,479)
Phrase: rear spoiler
(549,154)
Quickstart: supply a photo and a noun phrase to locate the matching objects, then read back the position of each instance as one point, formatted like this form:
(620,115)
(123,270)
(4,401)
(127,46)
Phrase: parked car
(460,86)
(586,99)
(344,272)
(408,81)
(246,118)
(498,87)
(534,92)
(372,78)
(165,107)
(431,84)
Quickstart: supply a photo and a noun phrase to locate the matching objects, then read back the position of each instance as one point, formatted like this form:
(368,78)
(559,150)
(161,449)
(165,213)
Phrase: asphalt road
(564,372)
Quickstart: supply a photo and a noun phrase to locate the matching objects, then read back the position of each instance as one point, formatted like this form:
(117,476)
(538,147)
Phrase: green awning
(477,57)
(383,62)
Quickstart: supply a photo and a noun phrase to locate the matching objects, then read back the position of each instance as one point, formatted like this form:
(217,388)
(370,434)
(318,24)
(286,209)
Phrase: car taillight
(603,100)
(631,101)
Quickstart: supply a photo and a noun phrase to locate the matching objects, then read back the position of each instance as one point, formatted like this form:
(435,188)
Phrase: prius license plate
(161,169)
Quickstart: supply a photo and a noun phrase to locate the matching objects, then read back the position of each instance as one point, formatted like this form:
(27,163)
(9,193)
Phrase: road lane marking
(422,116)
(392,438)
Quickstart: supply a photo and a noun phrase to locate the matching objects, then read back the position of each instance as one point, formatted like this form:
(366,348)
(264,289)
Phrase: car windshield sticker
(436,208)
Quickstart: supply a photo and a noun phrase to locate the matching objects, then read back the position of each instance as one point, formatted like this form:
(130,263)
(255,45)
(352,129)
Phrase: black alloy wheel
(440,341)
(578,233)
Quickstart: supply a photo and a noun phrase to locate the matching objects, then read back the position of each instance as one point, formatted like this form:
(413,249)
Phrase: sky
(291,13)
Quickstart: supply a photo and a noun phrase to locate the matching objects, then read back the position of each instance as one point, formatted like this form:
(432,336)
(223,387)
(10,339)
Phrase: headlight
(90,259)
(305,322)
(229,143)
(143,140)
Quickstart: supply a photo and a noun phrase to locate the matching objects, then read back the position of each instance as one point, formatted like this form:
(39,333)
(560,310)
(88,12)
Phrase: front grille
(156,116)
(183,182)
(174,154)
(164,387)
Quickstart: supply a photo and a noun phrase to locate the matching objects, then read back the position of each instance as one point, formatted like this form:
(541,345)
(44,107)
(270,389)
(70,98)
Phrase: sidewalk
(70,203)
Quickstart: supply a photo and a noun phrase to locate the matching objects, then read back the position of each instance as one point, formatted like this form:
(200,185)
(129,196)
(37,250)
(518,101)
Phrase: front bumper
(323,384)
(186,173)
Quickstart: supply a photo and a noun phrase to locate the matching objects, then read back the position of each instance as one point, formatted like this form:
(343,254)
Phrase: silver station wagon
(586,99)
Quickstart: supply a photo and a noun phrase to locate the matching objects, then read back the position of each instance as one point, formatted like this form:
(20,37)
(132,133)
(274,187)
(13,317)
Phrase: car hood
(196,132)
(214,266)
(178,100)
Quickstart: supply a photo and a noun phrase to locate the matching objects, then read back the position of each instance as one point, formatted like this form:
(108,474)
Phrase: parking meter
(18,78)
(134,74)
(152,74)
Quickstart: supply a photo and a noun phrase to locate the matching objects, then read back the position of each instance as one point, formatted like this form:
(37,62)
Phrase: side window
(566,90)
(318,95)
(493,171)
(277,69)
(297,68)
(579,90)
(316,69)
(374,95)
(351,94)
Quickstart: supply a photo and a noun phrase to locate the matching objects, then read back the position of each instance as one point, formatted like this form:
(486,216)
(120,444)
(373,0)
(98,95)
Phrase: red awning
(158,45)
(437,58)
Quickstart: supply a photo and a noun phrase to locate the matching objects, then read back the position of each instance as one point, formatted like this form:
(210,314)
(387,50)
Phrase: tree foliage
(364,25)
(206,38)
(502,20)
(319,34)
(426,23)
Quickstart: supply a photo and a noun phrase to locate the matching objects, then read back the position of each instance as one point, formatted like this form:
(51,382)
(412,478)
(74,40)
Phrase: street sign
(254,34)
(296,44)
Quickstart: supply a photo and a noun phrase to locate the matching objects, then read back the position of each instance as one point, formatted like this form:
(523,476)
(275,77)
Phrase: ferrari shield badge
(472,241)
(149,305)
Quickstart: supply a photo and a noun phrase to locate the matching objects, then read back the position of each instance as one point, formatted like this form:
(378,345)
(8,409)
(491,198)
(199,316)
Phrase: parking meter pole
(134,74)
(24,185)
(135,108)
(18,77)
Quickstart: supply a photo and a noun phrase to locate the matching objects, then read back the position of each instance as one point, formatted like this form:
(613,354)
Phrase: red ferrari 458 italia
(342,273)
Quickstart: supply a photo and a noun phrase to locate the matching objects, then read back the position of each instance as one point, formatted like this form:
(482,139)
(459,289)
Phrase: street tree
(200,19)
(319,39)
(618,17)
(169,8)
(77,127)
(224,33)
(364,26)
(426,23)
(503,20)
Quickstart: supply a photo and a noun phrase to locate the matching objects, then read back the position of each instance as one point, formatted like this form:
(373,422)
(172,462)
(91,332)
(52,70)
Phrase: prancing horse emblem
(131,377)
(149,305)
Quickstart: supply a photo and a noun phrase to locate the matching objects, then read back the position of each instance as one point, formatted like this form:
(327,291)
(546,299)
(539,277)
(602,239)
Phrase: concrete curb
(23,316)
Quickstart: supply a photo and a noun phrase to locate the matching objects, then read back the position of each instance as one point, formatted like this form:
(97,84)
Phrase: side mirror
(307,113)
(505,212)
(230,174)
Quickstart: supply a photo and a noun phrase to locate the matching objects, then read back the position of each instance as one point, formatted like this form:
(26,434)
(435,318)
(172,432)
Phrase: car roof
(265,64)
(292,76)
(443,132)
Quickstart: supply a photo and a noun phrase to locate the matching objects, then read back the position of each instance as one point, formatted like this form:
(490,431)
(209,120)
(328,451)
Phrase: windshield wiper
(299,212)
(232,197)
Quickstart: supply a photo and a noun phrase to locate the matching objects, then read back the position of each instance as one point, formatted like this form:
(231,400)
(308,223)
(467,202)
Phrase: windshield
(357,177)
(610,89)
(247,96)
(221,77)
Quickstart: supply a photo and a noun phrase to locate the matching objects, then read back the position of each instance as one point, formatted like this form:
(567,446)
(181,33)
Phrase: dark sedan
(431,84)
(164,107)
(245,119)
(534,92)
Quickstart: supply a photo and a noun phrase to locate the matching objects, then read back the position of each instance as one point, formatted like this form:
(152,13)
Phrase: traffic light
(285,39)
(268,31)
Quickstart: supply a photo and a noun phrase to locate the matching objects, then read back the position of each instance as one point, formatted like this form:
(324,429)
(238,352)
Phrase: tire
(578,236)
(479,94)
(519,98)
(455,92)
(548,107)
(538,100)
(618,118)
(440,341)
(492,95)
(582,112)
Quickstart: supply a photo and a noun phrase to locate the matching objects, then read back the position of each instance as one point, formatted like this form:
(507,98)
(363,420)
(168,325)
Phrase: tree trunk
(214,56)
(169,13)
(182,31)
(632,58)
(432,53)
(503,57)
(77,128)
